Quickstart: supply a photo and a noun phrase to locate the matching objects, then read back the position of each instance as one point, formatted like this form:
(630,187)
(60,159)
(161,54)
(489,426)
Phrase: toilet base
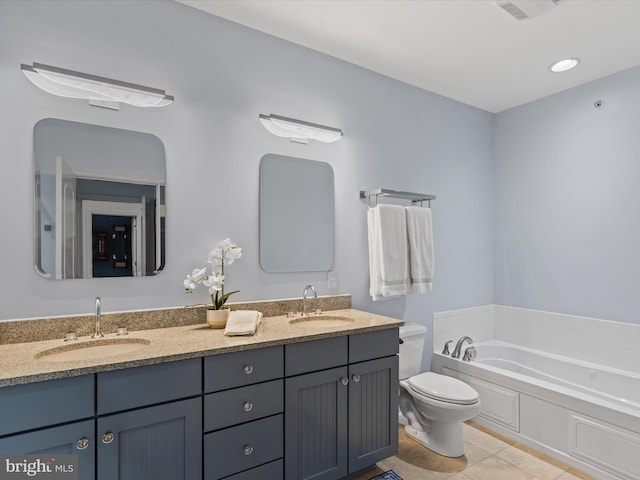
(446,440)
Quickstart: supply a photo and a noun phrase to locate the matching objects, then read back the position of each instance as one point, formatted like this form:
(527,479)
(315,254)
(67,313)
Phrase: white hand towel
(243,322)
(388,259)
(419,233)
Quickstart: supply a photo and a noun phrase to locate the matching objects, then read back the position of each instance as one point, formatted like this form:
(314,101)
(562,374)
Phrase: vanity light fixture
(100,91)
(564,65)
(298,130)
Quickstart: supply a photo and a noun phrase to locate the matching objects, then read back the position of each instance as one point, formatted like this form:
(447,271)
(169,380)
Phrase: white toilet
(434,405)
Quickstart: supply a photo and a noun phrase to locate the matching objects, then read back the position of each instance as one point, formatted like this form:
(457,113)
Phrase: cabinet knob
(355,377)
(82,443)
(344,381)
(248,369)
(248,406)
(107,437)
(247,449)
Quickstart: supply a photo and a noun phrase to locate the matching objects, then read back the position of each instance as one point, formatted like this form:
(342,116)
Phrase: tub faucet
(470,354)
(456,351)
(97,333)
(304,299)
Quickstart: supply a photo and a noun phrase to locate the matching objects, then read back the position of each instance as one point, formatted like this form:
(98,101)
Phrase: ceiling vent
(525,9)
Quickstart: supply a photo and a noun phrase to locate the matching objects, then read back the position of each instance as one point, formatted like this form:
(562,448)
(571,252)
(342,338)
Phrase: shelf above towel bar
(385,192)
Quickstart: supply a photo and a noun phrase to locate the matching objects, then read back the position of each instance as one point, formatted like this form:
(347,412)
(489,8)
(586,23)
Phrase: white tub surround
(568,386)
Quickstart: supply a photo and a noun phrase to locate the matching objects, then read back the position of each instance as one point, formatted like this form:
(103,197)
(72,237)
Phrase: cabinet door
(72,439)
(316,425)
(155,443)
(373,411)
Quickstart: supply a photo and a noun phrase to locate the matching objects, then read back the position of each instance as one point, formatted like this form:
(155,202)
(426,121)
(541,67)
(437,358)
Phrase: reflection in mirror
(99,201)
(296,215)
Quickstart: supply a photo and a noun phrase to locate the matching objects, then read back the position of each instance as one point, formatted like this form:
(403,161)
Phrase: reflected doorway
(111,247)
(112,233)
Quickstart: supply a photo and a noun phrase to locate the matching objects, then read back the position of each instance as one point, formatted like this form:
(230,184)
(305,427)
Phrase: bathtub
(584,413)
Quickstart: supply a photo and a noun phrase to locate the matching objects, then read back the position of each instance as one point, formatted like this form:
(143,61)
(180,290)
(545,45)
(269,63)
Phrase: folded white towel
(243,322)
(388,260)
(419,233)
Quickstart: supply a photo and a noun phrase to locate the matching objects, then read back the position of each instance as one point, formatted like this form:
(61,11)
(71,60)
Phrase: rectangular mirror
(296,215)
(99,201)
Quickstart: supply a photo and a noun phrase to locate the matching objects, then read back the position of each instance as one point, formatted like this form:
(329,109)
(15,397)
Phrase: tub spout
(458,349)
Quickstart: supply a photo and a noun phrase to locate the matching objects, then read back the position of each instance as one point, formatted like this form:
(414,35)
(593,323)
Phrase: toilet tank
(412,337)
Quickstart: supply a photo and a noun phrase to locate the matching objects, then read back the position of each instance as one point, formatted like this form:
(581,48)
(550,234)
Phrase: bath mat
(388,475)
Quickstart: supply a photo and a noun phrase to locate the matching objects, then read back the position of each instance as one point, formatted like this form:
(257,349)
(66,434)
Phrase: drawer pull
(248,406)
(355,377)
(248,449)
(248,369)
(82,443)
(344,381)
(107,437)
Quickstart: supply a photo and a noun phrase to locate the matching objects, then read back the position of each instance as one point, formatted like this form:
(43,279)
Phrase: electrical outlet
(332,280)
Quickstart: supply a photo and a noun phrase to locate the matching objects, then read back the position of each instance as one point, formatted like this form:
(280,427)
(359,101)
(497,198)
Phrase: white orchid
(214,282)
(225,251)
(198,275)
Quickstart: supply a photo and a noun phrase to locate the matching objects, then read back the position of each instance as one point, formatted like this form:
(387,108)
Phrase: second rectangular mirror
(296,215)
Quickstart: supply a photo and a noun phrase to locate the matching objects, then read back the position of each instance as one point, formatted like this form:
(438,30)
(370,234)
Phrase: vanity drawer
(142,386)
(243,404)
(41,404)
(270,471)
(243,447)
(370,345)
(315,355)
(242,368)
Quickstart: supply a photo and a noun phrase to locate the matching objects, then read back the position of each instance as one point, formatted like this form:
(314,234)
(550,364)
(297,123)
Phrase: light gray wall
(222,76)
(567,224)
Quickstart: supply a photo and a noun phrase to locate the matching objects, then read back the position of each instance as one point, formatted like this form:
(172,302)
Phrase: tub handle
(445,350)
(470,354)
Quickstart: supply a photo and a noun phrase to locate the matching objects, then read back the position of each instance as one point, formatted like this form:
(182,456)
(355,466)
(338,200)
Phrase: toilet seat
(443,388)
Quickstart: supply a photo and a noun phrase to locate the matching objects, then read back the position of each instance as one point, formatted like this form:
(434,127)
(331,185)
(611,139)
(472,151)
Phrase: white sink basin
(92,349)
(322,321)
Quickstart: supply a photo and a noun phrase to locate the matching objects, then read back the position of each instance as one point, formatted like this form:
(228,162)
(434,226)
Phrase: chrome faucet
(97,333)
(304,299)
(456,351)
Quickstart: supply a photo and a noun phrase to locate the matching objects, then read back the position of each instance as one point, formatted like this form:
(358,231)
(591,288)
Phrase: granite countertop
(18,365)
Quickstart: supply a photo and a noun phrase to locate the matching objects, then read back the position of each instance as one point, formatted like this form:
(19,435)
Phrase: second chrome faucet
(305,312)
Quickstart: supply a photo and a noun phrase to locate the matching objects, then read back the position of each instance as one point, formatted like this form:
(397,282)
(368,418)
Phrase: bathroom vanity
(291,402)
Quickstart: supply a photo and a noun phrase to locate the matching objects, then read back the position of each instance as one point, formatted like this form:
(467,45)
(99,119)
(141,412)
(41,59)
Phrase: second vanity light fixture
(106,91)
(298,130)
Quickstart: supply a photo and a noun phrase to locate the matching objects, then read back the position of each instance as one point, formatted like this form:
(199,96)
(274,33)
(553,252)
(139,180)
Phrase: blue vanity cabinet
(149,424)
(341,407)
(373,397)
(49,418)
(243,415)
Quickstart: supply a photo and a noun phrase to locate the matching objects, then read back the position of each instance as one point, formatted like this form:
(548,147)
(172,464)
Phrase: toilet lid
(443,388)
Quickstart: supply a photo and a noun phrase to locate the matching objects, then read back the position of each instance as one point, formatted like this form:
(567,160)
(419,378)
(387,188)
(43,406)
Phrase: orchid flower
(225,252)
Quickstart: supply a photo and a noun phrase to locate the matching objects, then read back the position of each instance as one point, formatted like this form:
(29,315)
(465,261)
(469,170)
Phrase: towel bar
(385,192)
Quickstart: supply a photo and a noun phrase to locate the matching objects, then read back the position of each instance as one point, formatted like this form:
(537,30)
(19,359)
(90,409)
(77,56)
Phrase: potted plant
(225,253)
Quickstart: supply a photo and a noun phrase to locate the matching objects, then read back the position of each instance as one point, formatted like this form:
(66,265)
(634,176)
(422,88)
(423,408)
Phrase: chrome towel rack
(415,198)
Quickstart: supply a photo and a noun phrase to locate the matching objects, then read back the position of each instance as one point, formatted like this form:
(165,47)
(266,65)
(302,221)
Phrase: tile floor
(488,456)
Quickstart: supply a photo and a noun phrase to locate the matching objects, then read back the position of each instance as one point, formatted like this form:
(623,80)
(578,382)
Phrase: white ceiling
(468,50)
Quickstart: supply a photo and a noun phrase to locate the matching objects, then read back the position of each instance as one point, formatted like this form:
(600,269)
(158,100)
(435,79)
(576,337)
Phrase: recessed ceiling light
(564,65)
